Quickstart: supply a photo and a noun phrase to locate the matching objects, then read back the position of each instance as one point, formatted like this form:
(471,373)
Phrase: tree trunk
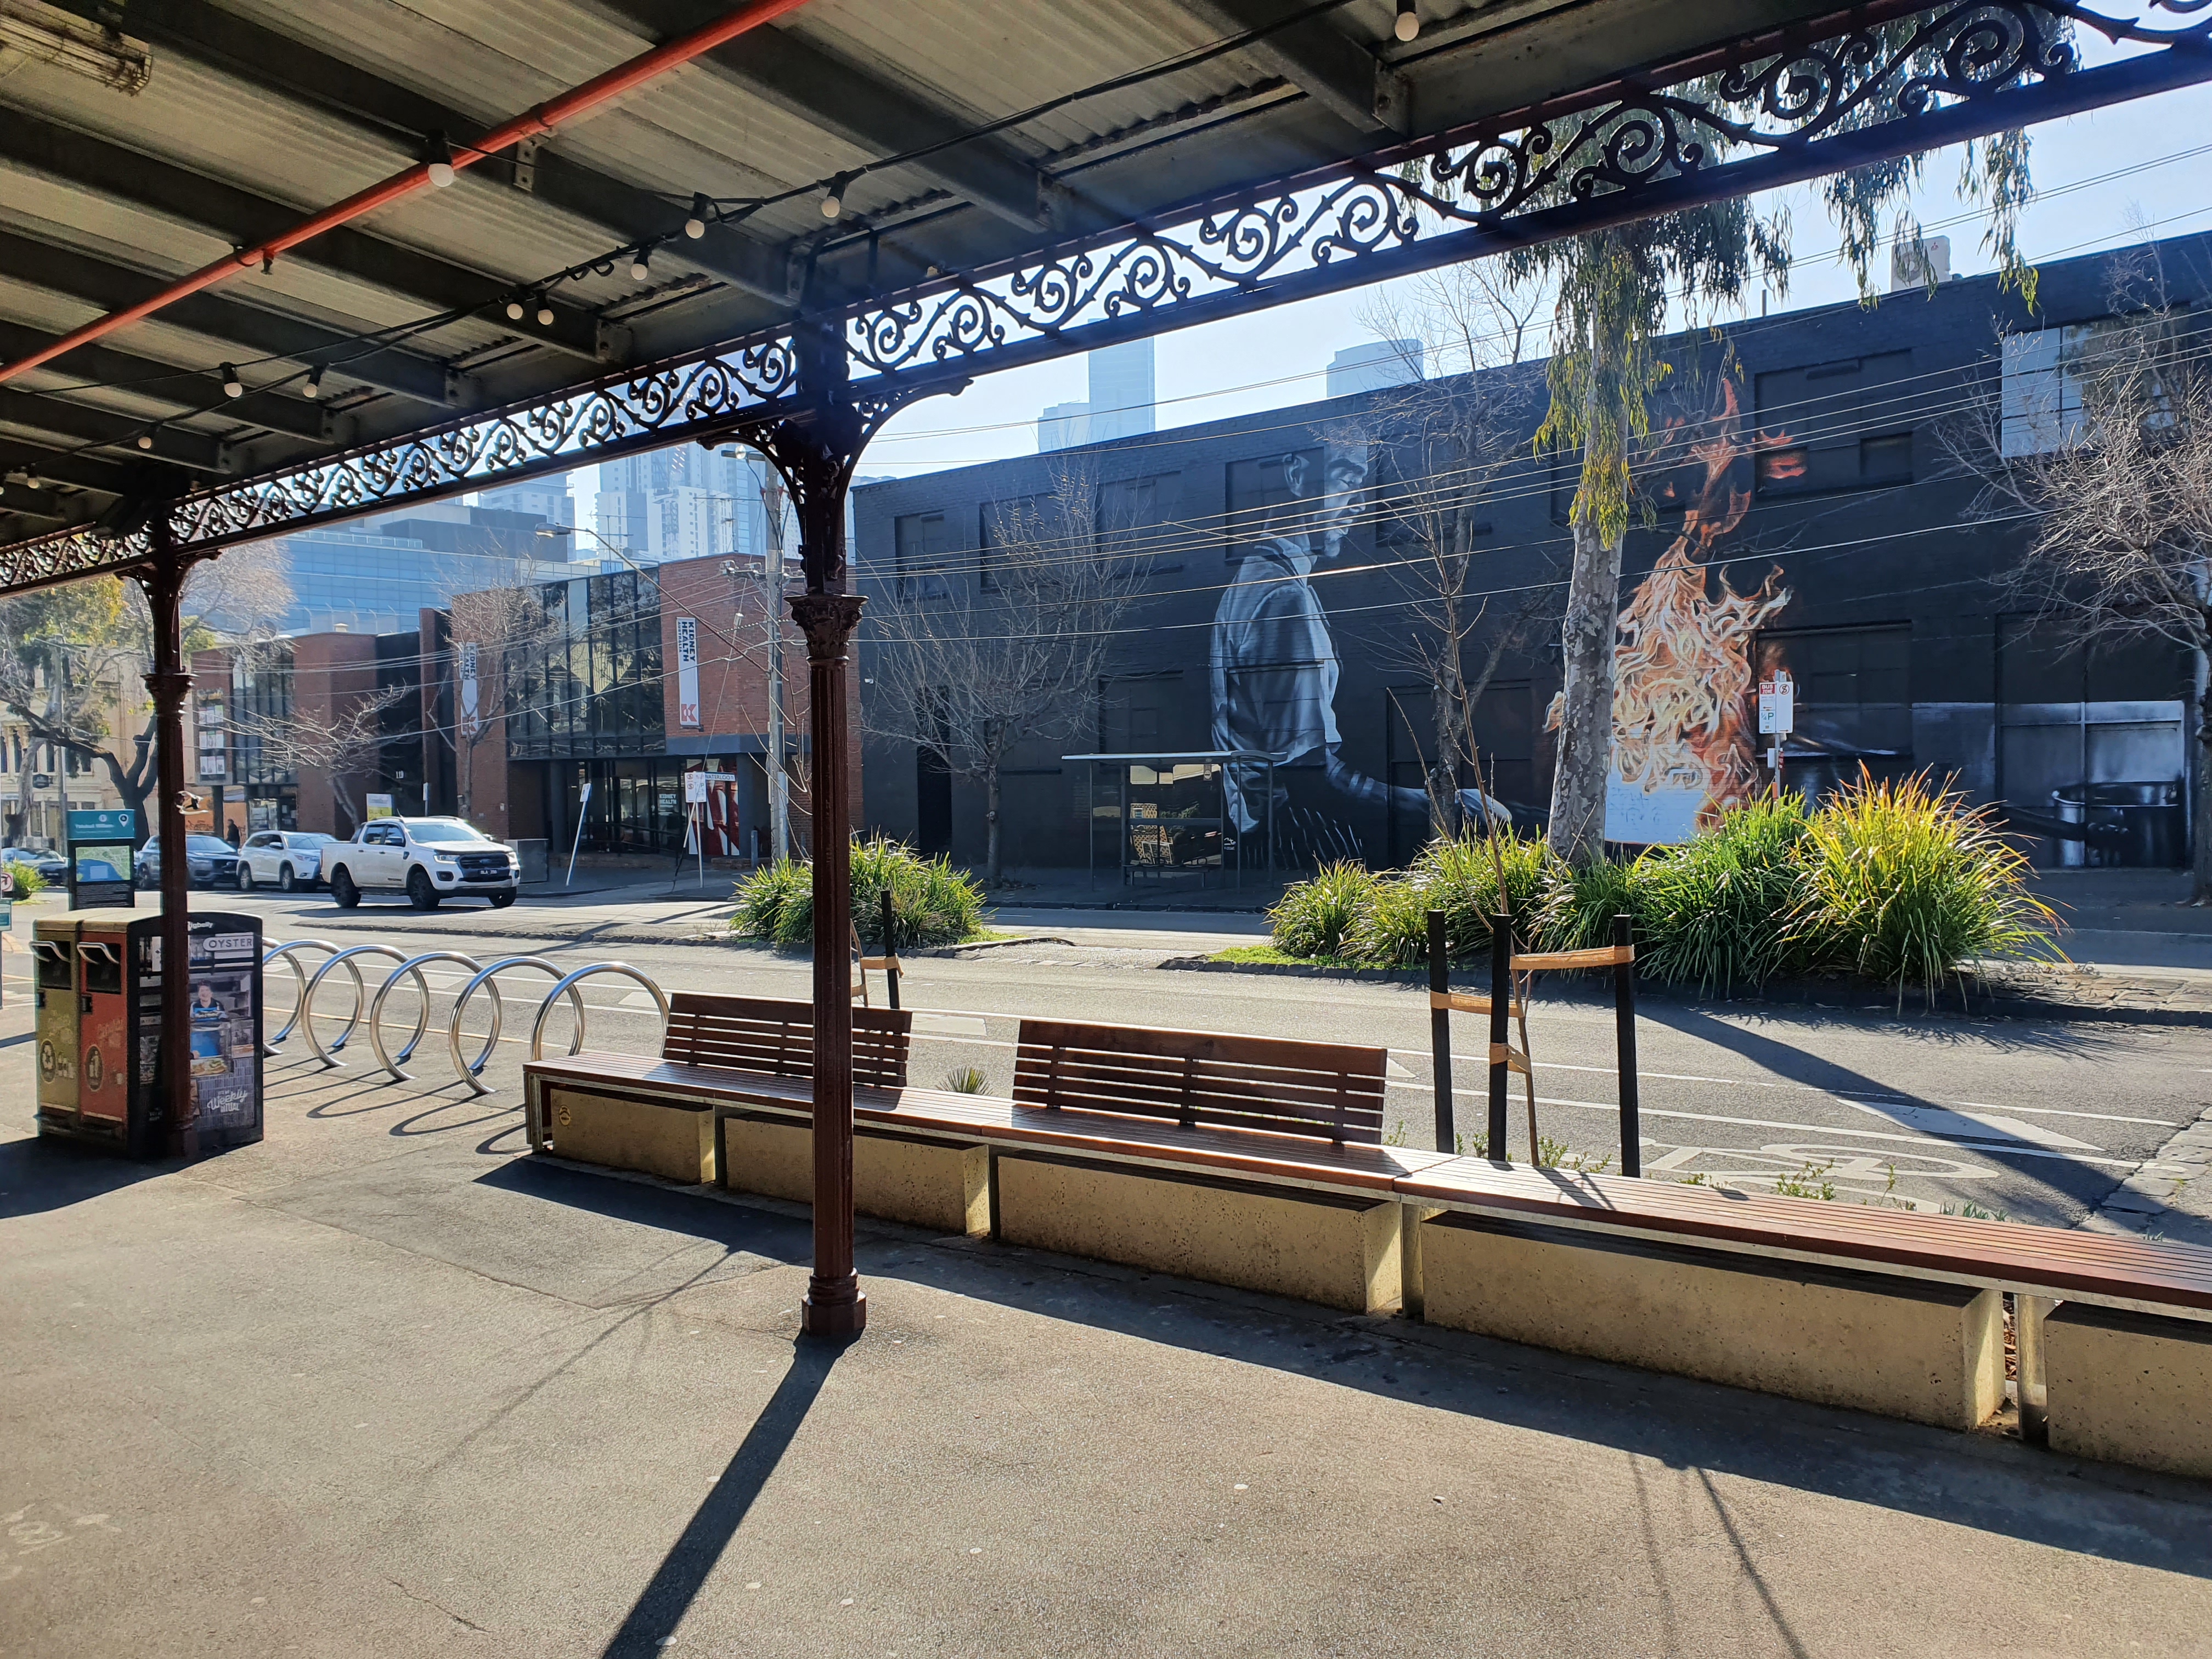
(991,870)
(1585,757)
(2201,787)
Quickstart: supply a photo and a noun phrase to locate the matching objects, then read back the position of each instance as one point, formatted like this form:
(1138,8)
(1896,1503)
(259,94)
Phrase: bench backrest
(1328,1091)
(775,1038)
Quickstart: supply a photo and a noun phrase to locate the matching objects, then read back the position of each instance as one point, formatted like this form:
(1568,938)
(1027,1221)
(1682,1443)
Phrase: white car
(428,859)
(283,859)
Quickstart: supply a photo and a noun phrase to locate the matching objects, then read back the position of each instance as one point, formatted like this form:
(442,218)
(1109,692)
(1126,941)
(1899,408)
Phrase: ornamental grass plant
(1714,912)
(931,902)
(1903,884)
(1313,916)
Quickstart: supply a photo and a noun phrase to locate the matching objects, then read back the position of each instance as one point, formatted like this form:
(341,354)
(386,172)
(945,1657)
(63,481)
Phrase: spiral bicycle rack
(270,1045)
(469,1070)
(347,959)
(413,967)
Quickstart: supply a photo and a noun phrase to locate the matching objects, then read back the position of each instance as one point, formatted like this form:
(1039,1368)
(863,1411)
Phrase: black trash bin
(2132,826)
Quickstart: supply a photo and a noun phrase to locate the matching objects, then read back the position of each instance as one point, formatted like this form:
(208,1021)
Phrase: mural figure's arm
(1472,803)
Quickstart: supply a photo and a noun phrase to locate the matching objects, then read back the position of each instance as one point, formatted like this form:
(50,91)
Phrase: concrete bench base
(1933,1353)
(925,1183)
(1339,1251)
(2129,1388)
(660,1138)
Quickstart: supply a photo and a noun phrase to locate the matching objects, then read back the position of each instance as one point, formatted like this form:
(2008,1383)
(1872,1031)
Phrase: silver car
(283,859)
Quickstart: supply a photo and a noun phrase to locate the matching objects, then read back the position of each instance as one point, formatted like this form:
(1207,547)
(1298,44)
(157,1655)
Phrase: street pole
(778,796)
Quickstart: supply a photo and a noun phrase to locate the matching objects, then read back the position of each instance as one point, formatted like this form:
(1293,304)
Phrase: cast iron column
(835,1305)
(164,582)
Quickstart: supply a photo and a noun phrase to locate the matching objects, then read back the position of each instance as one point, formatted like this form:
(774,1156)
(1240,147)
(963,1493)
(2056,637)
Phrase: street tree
(1448,435)
(972,665)
(2110,458)
(1616,291)
(73,661)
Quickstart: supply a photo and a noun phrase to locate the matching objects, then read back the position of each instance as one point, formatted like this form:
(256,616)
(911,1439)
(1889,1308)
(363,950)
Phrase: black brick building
(1856,565)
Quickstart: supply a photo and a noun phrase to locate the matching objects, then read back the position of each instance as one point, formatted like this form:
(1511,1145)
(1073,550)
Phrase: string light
(544,313)
(833,203)
(232,385)
(442,162)
(1409,21)
(702,210)
(640,268)
(514,311)
(145,441)
(313,385)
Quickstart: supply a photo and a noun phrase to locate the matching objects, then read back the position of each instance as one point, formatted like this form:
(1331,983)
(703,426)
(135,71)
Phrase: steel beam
(238,216)
(876,116)
(257,332)
(188,389)
(70,425)
(1329,66)
(274,65)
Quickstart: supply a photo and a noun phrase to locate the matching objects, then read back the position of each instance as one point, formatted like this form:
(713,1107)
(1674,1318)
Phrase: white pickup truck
(429,859)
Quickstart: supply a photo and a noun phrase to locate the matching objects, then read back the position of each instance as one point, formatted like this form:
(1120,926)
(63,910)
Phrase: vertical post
(1440,1035)
(835,1305)
(891,949)
(2034,1397)
(1501,1003)
(1624,1016)
(779,793)
(164,583)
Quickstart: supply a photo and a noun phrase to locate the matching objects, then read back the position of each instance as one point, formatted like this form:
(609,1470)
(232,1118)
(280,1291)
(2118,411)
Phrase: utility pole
(779,795)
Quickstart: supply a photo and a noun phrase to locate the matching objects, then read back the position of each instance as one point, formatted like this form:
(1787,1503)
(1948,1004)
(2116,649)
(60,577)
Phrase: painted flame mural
(1681,729)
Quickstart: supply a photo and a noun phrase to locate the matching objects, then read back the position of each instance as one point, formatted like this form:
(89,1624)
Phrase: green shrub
(1578,906)
(1715,911)
(29,883)
(1460,878)
(932,904)
(1313,916)
(1902,882)
(1392,928)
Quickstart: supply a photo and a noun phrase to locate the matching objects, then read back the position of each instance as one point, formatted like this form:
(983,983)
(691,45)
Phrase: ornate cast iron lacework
(1780,108)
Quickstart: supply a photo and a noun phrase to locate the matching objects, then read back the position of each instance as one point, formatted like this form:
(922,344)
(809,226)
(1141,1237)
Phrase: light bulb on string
(545,314)
(702,210)
(640,268)
(1408,25)
(514,311)
(232,385)
(440,156)
(313,385)
(832,203)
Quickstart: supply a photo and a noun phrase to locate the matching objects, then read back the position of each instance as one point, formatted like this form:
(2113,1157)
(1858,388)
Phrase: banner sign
(469,723)
(1778,705)
(687,673)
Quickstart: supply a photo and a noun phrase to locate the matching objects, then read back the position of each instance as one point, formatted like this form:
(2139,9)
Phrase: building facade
(1801,513)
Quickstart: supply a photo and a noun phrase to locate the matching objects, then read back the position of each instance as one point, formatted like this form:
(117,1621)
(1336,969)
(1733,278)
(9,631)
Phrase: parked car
(284,859)
(429,859)
(52,867)
(208,862)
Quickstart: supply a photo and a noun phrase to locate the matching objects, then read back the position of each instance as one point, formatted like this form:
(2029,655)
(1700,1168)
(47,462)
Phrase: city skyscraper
(547,498)
(1120,405)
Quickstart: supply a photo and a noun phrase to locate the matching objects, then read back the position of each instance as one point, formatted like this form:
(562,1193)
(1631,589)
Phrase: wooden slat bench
(1326,1244)
(1888,1311)
(716,1037)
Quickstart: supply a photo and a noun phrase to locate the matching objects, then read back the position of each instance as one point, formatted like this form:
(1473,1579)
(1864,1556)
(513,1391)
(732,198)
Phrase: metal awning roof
(1006,141)
(254,112)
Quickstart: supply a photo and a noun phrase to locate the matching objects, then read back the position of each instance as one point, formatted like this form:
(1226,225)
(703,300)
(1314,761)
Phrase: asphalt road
(2036,1120)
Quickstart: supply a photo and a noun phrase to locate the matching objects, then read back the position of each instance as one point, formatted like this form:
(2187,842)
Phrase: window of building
(1139,522)
(921,549)
(1844,425)
(1854,699)
(1259,490)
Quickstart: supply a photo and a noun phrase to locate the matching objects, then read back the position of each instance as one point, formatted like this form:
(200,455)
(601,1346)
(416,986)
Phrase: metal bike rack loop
(533,1130)
(414,966)
(345,958)
(576,1043)
(269,1045)
(468,1071)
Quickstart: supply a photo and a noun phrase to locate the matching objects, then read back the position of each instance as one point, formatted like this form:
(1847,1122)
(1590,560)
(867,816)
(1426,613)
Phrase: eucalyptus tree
(1631,303)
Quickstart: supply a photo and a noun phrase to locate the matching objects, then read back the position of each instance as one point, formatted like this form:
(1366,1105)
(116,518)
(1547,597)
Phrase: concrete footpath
(379,1387)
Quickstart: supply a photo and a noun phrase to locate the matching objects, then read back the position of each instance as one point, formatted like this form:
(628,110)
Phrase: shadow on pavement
(38,1174)
(661,1607)
(1977,1481)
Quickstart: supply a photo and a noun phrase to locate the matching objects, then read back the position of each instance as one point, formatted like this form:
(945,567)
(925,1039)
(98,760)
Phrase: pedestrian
(230,834)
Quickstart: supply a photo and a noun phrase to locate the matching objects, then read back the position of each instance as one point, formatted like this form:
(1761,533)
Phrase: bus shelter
(1174,817)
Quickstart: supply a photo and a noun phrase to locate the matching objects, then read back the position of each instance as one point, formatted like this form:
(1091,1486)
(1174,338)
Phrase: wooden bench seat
(1884,1310)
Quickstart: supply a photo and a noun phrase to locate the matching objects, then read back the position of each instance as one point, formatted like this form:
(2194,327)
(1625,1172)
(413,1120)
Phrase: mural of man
(1273,662)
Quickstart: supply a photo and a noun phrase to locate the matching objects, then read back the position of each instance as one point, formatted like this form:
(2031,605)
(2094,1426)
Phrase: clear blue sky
(1209,372)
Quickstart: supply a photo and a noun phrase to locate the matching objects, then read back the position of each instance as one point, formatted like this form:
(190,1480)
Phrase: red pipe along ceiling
(542,119)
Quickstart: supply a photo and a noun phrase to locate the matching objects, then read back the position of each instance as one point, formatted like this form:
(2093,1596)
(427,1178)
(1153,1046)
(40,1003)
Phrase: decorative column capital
(828,621)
